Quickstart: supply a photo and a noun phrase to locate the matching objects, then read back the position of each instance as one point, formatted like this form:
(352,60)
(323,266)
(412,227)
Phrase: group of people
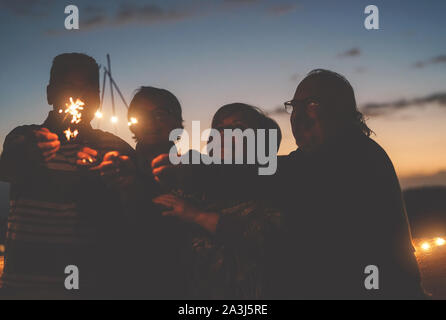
(137,226)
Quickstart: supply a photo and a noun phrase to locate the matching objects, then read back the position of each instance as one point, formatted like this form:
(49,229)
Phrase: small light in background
(114,119)
(440,242)
(426,246)
(99,114)
(132,121)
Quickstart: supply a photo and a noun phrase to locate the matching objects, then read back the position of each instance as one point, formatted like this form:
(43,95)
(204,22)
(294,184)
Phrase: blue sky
(213,52)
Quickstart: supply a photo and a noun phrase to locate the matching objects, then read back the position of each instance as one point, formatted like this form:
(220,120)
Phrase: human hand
(162,168)
(86,157)
(116,170)
(187,212)
(46,146)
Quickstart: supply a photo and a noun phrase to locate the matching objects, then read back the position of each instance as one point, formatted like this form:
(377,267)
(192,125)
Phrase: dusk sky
(213,52)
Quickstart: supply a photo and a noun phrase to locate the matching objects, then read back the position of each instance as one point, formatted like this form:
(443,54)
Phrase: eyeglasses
(290,105)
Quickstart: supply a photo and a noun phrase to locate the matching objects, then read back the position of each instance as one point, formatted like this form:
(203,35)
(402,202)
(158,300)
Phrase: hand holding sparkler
(46,146)
(86,157)
(117,170)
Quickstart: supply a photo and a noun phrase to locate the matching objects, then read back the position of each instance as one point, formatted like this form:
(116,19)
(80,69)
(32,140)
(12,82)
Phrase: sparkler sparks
(71,135)
(74,109)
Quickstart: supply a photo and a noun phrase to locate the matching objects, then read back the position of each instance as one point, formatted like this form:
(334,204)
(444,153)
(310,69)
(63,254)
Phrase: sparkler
(74,108)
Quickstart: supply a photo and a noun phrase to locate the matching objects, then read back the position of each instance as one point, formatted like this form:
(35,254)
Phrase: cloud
(241,2)
(95,16)
(282,9)
(150,14)
(435,60)
(438,179)
(27,8)
(354,52)
(377,109)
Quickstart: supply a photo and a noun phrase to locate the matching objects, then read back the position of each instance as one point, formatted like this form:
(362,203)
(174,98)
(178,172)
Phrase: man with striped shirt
(63,213)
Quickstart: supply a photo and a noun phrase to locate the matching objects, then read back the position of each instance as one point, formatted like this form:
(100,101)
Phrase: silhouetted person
(62,213)
(153,243)
(343,200)
(232,235)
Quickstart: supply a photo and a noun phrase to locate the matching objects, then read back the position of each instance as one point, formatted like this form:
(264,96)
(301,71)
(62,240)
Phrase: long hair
(338,96)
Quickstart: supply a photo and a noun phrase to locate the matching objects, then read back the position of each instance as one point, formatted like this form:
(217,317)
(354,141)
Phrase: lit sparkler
(74,108)
(71,135)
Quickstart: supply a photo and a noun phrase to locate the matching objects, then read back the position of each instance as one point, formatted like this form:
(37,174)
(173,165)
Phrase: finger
(50,152)
(103,165)
(167,199)
(168,196)
(160,160)
(49,158)
(157,179)
(171,213)
(160,170)
(163,202)
(46,136)
(48,145)
(90,151)
(111,155)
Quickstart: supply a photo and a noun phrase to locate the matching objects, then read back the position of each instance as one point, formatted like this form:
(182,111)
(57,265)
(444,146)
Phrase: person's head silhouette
(243,116)
(74,75)
(153,114)
(323,106)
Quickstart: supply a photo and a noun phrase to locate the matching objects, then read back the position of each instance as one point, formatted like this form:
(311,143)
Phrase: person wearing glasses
(343,200)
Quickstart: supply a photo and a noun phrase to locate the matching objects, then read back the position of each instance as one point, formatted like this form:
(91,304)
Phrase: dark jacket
(345,211)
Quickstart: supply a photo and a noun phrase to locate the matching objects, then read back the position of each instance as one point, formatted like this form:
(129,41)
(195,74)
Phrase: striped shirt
(60,214)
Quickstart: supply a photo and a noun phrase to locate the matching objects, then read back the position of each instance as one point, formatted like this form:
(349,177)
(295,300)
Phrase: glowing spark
(74,109)
(114,119)
(426,246)
(440,242)
(99,114)
(133,121)
(71,135)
